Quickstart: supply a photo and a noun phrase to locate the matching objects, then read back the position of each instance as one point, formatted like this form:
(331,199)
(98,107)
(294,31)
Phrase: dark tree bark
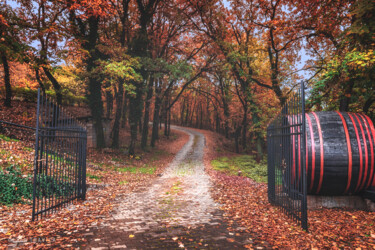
(217,122)
(140,48)
(166,114)
(224,95)
(368,104)
(169,118)
(124,112)
(88,33)
(346,97)
(155,123)
(135,113)
(201,121)
(187,114)
(166,122)
(39,80)
(94,85)
(259,148)
(109,100)
(146,118)
(8,89)
(116,125)
(236,138)
(244,128)
(56,85)
(182,113)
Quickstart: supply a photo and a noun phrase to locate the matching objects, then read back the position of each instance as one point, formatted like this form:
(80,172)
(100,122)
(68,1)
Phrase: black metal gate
(60,158)
(286,141)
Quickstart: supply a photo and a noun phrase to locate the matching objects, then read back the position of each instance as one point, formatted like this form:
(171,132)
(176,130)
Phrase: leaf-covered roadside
(108,179)
(246,202)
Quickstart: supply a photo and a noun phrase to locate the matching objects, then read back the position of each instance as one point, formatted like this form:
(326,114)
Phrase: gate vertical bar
(286,143)
(36,153)
(59,160)
(303,150)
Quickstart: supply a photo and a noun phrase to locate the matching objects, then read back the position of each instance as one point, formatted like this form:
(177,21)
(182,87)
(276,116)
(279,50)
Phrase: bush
(14,187)
(28,95)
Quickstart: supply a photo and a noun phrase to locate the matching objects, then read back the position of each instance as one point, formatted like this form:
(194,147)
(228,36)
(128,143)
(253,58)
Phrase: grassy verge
(244,165)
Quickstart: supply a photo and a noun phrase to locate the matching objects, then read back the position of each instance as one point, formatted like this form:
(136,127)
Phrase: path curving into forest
(175,211)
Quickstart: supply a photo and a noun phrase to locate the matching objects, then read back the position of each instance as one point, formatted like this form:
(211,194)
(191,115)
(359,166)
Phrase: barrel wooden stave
(333,167)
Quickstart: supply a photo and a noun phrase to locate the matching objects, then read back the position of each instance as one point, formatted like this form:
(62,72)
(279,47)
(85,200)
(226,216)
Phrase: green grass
(138,170)
(28,149)
(123,182)
(91,176)
(244,163)
(5,138)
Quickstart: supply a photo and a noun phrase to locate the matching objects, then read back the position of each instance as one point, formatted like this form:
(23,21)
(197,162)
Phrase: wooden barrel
(339,153)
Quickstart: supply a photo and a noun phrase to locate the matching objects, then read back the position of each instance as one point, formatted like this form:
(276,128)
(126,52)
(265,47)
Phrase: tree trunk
(166,114)
(8,89)
(226,118)
(124,111)
(94,86)
(346,97)
(244,129)
(109,99)
(217,122)
(56,85)
(166,122)
(135,108)
(368,104)
(236,138)
(116,125)
(208,117)
(259,149)
(147,113)
(169,118)
(155,123)
(140,122)
(197,116)
(201,121)
(182,113)
(41,85)
(187,114)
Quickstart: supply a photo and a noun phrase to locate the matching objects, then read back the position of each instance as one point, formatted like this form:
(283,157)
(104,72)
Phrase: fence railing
(60,158)
(17,146)
(54,151)
(286,158)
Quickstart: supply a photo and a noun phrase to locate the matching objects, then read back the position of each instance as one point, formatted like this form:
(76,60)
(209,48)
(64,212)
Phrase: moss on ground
(244,163)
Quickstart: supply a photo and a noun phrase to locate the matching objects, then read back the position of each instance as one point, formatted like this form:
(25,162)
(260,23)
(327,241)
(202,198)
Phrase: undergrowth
(14,187)
(244,163)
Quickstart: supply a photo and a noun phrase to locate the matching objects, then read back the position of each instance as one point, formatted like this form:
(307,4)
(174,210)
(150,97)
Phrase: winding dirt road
(176,211)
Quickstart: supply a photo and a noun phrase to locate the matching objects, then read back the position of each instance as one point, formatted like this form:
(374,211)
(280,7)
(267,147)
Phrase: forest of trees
(227,66)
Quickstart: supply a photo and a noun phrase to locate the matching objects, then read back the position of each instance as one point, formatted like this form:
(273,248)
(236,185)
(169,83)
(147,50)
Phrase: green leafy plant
(5,138)
(14,187)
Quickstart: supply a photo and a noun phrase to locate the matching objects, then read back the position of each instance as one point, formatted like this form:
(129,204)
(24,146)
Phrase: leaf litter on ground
(66,228)
(245,201)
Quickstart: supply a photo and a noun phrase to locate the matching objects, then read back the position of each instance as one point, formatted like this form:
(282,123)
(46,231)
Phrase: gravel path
(176,211)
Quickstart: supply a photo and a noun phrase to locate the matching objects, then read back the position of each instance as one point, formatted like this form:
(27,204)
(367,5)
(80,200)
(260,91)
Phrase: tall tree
(140,47)
(85,27)
(12,48)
